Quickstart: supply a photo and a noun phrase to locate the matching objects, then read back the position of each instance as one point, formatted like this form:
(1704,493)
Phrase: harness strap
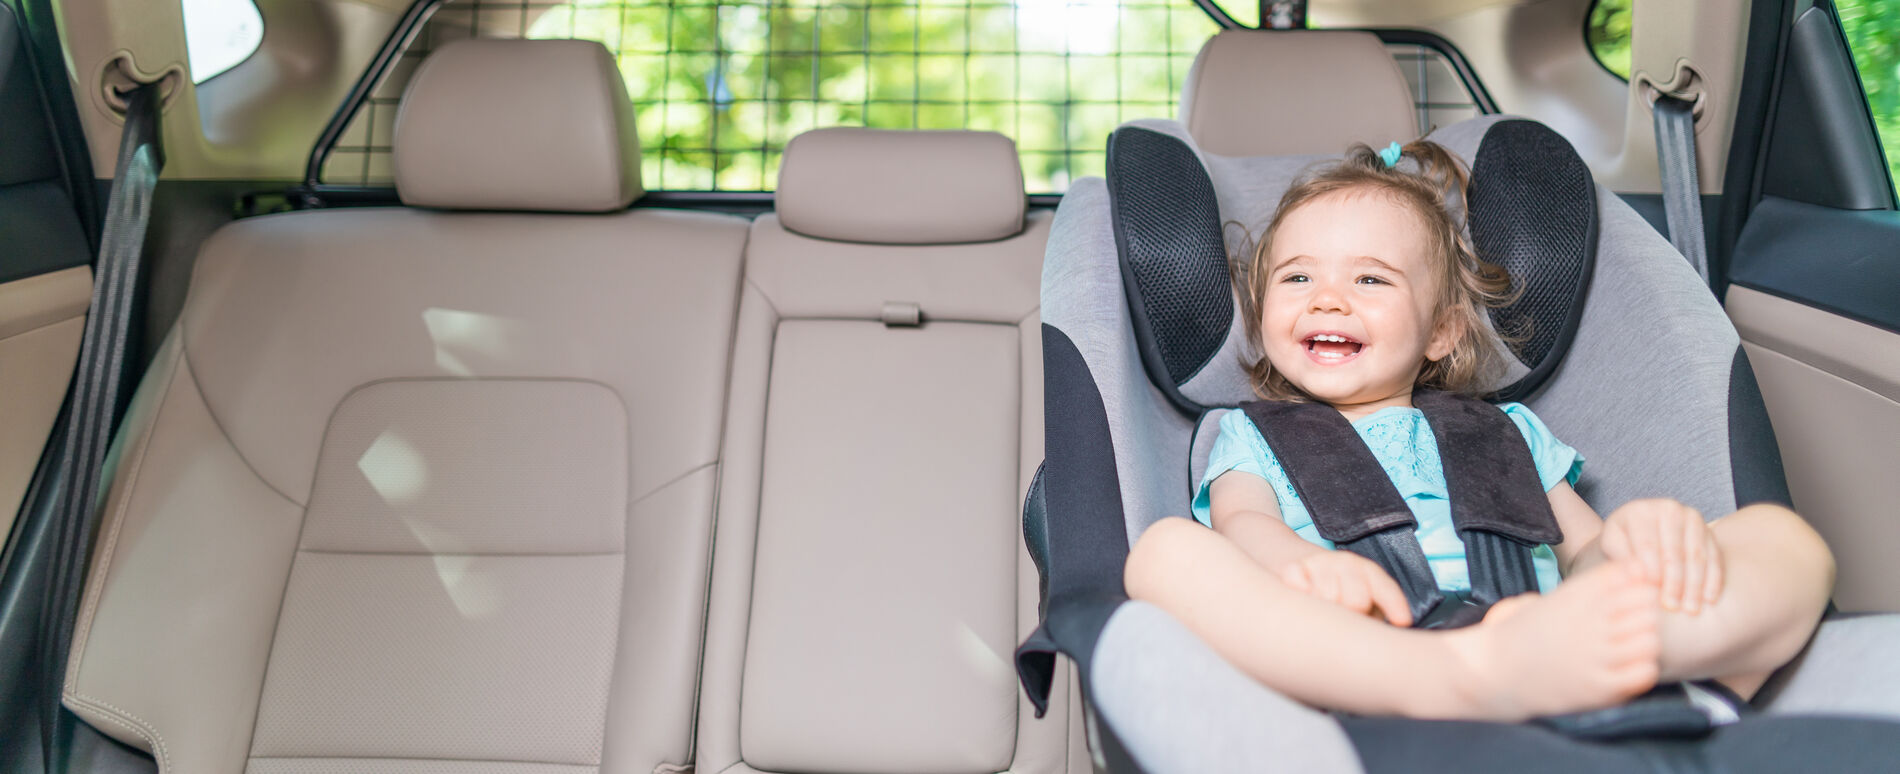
(1498,504)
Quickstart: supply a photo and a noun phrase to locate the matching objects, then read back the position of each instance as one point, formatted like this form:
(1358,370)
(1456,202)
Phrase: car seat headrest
(540,125)
(1184,221)
(1283,92)
(901,187)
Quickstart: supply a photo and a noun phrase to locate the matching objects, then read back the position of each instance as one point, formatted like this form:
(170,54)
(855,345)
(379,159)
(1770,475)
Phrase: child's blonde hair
(1467,285)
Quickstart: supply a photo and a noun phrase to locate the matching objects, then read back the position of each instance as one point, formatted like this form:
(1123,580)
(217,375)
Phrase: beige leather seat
(420,489)
(869,579)
(1280,93)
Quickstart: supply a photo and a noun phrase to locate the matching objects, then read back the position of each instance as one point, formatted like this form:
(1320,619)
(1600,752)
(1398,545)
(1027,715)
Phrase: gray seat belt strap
(1682,190)
(97,395)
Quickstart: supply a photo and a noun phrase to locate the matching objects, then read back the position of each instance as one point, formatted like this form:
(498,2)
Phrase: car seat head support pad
(1173,260)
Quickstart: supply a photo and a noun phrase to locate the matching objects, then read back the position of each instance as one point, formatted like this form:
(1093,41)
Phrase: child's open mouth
(1331,348)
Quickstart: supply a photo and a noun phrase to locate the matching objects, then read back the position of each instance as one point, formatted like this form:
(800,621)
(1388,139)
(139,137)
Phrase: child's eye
(1372,280)
(1294,278)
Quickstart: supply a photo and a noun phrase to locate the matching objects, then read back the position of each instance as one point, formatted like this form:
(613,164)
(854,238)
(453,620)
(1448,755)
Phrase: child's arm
(1245,510)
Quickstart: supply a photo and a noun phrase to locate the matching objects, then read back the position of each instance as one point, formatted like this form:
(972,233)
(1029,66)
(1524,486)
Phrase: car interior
(559,386)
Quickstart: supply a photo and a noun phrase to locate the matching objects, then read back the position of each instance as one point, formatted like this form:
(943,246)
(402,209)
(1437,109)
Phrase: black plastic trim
(327,195)
(1459,64)
(1753,455)
(386,57)
(1843,261)
(1824,148)
(1768,25)
(47,63)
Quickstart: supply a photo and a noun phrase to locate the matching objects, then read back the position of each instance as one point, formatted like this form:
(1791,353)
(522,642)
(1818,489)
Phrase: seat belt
(99,386)
(1682,189)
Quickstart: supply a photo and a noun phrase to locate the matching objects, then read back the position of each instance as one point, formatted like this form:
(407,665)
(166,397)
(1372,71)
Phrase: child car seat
(1630,360)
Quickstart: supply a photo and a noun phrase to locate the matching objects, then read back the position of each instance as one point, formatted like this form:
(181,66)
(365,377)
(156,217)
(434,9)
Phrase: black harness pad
(1489,474)
(1342,484)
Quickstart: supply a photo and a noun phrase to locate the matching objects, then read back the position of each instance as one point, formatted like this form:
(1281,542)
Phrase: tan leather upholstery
(1279,93)
(41,320)
(410,491)
(901,187)
(542,125)
(871,584)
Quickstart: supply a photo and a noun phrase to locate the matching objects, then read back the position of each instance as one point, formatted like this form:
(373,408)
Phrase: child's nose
(1328,298)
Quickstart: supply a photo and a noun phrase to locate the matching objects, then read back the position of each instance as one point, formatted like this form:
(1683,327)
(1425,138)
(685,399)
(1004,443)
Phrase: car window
(219,34)
(720,86)
(1873,34)
(1607,30)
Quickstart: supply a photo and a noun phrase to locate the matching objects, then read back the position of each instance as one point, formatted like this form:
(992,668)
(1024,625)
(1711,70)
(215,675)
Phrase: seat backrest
(419,488)
(1289,92)
(868,583)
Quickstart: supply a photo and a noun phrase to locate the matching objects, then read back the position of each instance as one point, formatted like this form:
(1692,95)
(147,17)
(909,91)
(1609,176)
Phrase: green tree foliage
(721,85)
(1608,33)
(1873,33)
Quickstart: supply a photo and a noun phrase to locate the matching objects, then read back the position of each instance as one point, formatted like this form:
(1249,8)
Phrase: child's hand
(1674,547)
(1350,581)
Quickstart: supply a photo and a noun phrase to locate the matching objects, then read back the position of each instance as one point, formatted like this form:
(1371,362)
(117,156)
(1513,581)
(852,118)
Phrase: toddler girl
(1362,290)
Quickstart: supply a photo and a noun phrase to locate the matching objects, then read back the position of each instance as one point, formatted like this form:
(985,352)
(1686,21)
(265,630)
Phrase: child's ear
(1445,336)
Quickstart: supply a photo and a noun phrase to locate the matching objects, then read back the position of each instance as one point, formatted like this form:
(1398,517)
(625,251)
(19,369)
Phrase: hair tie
(1390,155)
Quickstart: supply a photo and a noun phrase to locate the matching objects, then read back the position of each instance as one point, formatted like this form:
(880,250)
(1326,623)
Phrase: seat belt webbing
(1682,189)
(98,386)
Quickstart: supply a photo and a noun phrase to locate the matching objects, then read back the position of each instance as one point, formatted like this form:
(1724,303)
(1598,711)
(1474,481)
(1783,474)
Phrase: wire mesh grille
(719,86)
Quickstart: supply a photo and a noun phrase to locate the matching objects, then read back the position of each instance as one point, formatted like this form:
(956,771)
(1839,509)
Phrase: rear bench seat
(869,581)
(421,489)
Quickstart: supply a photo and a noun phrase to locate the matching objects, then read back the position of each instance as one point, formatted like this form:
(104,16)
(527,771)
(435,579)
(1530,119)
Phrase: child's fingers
(1389,598)
(1694,565)
(1643,545)
(1669,550)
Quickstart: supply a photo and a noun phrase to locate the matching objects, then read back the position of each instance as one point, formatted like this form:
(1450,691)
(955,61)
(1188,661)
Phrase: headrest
(1532,210)
(1285,92)
(517,125)
(901,187)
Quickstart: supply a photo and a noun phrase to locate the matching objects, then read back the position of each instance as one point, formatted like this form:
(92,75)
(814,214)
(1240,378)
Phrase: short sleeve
(1239,447)
(1555,460)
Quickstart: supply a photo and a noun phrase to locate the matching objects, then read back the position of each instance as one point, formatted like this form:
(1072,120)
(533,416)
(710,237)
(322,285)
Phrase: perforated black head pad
(1173,260)
(1533,210)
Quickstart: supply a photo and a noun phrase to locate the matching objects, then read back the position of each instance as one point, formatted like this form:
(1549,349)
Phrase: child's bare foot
(1591,643)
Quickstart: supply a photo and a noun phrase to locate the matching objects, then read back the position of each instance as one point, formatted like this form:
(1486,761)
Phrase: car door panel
(1832,387)
(45,283)
(1814,290)
(41,318)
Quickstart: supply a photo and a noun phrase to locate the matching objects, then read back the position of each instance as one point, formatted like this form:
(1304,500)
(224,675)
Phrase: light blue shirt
(1404,445)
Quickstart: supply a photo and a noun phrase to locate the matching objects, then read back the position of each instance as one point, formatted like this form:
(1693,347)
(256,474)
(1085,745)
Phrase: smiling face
(1349,315)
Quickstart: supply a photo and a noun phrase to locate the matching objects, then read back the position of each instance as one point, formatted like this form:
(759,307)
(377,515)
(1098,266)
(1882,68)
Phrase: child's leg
(1590,644)
(1778,575)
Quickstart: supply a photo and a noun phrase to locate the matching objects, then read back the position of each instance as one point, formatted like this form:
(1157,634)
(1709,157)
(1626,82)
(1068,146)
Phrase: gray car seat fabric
(1652,390)
(414,490)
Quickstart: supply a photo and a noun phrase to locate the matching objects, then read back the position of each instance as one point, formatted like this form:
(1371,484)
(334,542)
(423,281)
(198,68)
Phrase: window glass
(1607,30)
(1873,34)
(719,86)
(219,34)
